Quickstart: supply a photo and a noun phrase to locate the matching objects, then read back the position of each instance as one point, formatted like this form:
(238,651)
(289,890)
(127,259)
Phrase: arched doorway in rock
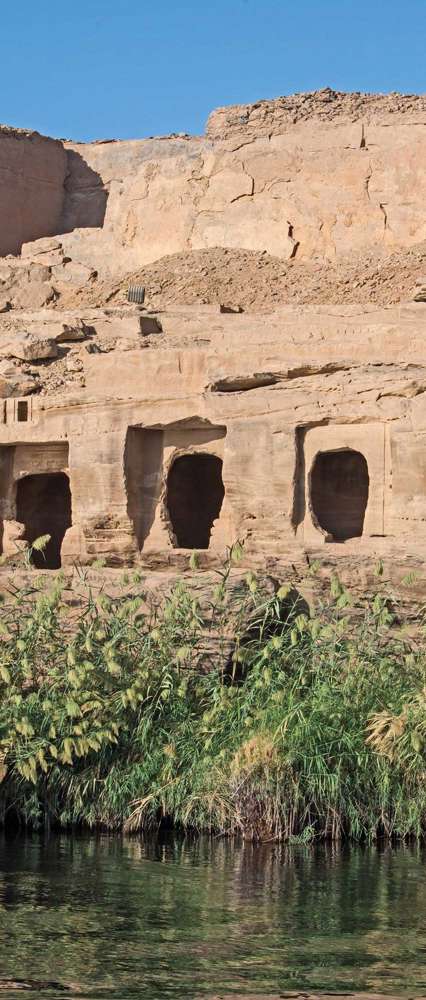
(195,494)
(339,485)
(43,505)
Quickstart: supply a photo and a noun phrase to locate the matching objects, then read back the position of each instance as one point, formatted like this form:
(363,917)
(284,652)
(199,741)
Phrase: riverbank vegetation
(241,712)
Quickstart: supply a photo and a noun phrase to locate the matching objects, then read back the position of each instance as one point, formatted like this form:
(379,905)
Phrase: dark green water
(124,919)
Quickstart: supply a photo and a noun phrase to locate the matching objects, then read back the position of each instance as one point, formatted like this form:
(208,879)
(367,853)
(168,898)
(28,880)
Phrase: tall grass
(242,712)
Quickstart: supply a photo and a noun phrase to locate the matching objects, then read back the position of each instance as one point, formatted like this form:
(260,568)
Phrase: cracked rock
(28,347)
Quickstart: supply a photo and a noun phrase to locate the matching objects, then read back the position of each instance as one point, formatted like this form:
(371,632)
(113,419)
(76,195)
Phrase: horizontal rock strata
(272,387)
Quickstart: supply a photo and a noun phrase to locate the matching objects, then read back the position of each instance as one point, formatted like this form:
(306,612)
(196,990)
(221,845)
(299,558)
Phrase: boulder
(71,272)
(37,248)
(46,251)
(63,332)
(9,368)
(420,293)
(16,385)
(29,347)
(25,285)
(34,294)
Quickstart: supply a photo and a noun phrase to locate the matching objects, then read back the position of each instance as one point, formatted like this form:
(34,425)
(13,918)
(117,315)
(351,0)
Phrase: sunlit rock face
(140,433)
(320,174)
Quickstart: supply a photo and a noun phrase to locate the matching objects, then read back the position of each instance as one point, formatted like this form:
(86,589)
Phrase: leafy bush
(241,713)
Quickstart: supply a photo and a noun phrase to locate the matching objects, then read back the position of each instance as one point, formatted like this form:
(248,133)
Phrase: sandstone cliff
(271,389)
(32,177)
(309,176)
(332,177)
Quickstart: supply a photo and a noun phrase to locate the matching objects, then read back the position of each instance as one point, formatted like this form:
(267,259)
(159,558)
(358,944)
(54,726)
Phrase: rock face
(302,433)
(32,178)
(288,410)
(265,179)
(317,174)
(324,107)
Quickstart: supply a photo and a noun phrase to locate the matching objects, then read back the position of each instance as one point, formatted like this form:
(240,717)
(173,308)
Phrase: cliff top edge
(275,115)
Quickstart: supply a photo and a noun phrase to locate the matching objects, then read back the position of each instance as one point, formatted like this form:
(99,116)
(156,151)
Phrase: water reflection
(183,918)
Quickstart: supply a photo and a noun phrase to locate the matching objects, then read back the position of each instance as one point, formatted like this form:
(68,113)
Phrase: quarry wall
(312,189)
(32,177)
(141,435)
(314,175)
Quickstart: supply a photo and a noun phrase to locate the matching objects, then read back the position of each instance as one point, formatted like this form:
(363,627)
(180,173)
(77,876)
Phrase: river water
(185,918)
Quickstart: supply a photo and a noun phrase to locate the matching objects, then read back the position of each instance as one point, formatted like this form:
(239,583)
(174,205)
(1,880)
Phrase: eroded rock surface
(32,176)
(272,388)
(327,106)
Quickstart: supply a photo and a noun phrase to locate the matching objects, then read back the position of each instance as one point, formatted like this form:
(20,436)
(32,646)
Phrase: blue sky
(90,69)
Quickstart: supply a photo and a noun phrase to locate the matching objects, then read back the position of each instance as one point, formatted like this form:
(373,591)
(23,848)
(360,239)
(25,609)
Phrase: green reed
(235,709)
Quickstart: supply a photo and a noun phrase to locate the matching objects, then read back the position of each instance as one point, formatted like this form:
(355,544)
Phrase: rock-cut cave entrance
(339,492)
(195,494)
(43,505)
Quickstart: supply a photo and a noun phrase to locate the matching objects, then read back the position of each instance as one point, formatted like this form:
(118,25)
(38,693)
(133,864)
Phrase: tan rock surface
(329,182)
(265,395)
(271,117)
(32,176)
(27,347)
(272,389)
(311,175)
